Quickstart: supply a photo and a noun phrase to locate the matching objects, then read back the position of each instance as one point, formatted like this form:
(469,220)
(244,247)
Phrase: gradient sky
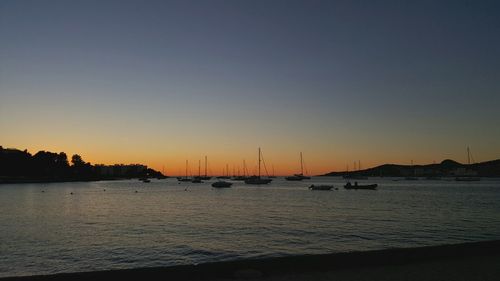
(159,82)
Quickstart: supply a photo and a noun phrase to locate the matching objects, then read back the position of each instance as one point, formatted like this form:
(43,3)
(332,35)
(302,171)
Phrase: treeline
(44,166)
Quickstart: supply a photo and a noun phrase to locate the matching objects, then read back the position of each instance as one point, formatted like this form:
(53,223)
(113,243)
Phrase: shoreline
(24,181)
(471,253)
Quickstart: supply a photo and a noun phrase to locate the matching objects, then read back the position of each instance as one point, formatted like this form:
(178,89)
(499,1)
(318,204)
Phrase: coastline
(21,181)
(466,261)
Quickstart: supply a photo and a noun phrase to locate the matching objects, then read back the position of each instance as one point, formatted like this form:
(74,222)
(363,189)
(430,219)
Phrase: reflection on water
(107,225)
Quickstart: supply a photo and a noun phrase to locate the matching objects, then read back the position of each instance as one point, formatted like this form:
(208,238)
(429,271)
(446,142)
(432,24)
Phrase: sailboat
(244,176)
(186,177)
(225,175)
(273,175)
(299,177)
(198,178)
(468,175)
(354,176)
(414,178)
(204,177)
(257,179)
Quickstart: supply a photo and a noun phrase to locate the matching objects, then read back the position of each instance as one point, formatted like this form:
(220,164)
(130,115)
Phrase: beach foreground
(468,261)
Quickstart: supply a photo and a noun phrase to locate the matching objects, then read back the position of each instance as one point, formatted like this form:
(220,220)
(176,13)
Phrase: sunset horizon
(249,140)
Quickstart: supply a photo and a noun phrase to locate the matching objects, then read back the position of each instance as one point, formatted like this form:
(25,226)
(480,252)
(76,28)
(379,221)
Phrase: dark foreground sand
(469,261)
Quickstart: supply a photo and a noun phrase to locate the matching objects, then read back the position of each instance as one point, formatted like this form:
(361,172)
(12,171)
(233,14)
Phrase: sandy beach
(468,261)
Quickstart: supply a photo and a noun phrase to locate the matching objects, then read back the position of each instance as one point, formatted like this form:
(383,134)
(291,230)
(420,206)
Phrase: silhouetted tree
(77,160)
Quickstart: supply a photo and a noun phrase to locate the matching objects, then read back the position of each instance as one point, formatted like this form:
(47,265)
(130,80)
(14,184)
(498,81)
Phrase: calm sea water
(107,225)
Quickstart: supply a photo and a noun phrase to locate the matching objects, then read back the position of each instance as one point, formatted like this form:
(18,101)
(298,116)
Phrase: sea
(86,226)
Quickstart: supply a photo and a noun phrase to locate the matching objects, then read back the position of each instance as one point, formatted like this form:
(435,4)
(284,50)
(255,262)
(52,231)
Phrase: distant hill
(446,168)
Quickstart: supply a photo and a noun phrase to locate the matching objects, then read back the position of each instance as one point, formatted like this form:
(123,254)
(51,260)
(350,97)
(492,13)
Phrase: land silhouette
(44,166)
(447,168)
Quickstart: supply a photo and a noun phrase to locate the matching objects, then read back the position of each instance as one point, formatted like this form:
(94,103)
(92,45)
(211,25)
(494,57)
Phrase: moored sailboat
(299,177)
(186,177)
(257,179)
(468,175)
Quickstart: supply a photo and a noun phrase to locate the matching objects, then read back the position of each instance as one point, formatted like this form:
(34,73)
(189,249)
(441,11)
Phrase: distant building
(120,170)
(463,172)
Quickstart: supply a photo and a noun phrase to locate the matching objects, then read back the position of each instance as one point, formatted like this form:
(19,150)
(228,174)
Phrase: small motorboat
(348,185)
(297,177)
(197,180)
(222,184)
(257,180)
(321,187)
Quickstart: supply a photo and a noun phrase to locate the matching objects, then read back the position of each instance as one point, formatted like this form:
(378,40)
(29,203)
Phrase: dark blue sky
(378,80)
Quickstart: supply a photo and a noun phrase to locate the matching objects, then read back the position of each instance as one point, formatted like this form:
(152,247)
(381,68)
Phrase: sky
(162,82)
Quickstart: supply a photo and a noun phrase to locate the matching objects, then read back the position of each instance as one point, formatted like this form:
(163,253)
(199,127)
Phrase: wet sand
(469,261)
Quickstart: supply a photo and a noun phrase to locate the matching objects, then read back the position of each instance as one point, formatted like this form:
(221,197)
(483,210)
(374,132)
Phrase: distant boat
(197,180)
(348,185)
(414,178)
(299,177)
(354,176)
(204,177)
(244,176)
(185,178)
(222,184)
(257,179)
(272,176)
(146,180)
(226,174)
(469,175)
(320,187)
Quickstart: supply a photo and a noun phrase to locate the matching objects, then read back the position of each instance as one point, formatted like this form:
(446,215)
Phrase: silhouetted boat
(272,176)
(226,175)
(186,177)
(204,177)
(468,175)
(299,177)
(197,180)
(360,186)
(222,184)
(320,187)
(257,179)
(354,176)
(414,177)
(146,180)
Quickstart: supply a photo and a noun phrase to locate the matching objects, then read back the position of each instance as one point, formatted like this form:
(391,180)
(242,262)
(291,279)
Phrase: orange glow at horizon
(284,162)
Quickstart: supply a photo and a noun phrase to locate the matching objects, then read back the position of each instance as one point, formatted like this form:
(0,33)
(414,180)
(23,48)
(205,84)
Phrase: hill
(445,168)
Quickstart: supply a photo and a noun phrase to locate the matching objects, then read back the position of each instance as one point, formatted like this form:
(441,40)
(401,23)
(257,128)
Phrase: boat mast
(186,169)
(205,165)
(199,168)
(259,162)
(301,165)
(468,155)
